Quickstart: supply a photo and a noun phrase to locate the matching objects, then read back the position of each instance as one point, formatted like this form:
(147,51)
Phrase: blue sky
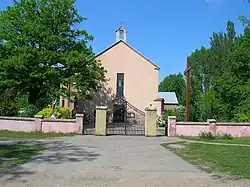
(165,31)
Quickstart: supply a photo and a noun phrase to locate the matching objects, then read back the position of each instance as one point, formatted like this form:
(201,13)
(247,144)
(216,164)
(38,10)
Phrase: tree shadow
(57,152)
(104,97)
(119,110)
(61,152)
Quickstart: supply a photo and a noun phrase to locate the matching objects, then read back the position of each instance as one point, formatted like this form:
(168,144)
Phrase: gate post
(171,125)
(212,125)
(150,121)
(101,120)
(79,123)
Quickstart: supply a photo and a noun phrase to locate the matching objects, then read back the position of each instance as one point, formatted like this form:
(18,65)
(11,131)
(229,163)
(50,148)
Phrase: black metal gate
(125,119)
(89,124)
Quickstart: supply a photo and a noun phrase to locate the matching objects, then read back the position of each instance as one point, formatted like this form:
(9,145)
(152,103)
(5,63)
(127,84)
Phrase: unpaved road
(123,161)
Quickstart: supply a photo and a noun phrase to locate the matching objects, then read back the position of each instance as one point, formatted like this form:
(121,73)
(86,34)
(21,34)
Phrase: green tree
(42,52)
(174,83)
(210,67)
(8,106)
(245,21)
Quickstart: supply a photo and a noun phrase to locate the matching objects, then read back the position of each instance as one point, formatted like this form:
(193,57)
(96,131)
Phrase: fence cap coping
(101,107)
(211,120)
(38,116)
(79,115)
(171,117)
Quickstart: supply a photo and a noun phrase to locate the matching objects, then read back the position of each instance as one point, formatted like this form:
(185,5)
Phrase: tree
(245,21)
(221,76)
(42,52)
(174,83)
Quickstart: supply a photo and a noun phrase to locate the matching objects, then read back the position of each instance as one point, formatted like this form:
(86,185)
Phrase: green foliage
(243,19)
(174,83)
(161,121)
(28,111)
(207,135)
(226,136)
(211,136)
(24,108)
(65,113)
(14,104)
(7,102)
(179,112)
(220,78)
(43,52)
(60,113)
(242,117)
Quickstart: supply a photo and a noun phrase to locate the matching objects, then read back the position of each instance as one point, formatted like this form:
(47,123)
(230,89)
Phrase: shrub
(179,112)
(211,136)
(60,113)
(241,117)
(25,109)
(28,111)
(207,136)
(161,121)
(65,113)
(225,136)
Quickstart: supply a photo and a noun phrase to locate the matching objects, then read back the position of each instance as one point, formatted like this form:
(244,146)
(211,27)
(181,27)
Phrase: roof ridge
(121,41)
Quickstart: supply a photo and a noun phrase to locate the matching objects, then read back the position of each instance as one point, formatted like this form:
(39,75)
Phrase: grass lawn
(234,160)
(17,153)
(29,135)
(233,141)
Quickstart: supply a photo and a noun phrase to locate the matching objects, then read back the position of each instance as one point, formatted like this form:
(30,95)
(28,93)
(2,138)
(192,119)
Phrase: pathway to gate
(134,161)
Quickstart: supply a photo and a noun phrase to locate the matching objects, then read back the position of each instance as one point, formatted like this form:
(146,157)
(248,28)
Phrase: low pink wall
(195,128)
(235,129)
(42,125)
(18,124)
(60,126)
(190,128)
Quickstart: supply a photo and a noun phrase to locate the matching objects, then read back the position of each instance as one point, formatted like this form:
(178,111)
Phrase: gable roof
(169,97)
(121,41)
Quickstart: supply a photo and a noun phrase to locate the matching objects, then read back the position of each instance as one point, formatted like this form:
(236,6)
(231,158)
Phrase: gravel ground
(110,161)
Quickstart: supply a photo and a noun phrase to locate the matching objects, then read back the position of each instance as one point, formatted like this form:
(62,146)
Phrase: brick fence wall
(194,128)
(42,125)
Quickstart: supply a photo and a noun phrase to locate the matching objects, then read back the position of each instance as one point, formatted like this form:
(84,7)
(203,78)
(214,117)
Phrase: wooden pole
(187,73)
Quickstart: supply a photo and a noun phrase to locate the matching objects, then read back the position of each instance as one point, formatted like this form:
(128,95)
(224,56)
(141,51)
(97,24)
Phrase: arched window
(120,85)
(121,34)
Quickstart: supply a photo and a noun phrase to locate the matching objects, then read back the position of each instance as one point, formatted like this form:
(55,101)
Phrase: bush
(179,112)
(225,136)
(207,136)
(211,136)
(242,117)
(27,111)
(161,121)
(60,113)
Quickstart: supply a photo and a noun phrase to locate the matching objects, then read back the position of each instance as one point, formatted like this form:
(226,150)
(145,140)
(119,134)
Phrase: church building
(131,77)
